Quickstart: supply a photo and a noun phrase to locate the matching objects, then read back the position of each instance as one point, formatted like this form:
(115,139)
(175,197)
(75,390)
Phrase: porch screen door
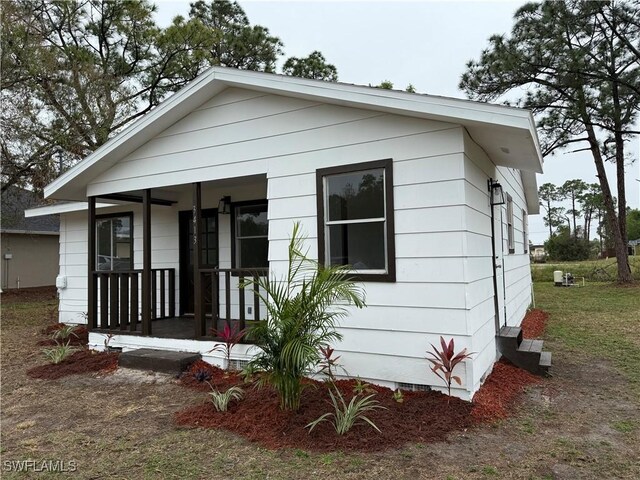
(209,246)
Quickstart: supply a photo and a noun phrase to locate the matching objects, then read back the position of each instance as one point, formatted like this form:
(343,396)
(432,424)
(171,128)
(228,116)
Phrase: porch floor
(173,327)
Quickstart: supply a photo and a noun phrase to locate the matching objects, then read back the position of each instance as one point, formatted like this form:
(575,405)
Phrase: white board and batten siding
(442,228)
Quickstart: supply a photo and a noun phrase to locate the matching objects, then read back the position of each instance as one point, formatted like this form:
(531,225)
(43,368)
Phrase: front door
(209,245)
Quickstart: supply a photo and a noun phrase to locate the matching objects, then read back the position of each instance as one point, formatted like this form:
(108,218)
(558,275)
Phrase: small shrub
(346,415)
(445,361)
(362,387)
(398,396)
(230,337)
(202,375)
(328,363)
(65,332)
(58,353)
(221,400)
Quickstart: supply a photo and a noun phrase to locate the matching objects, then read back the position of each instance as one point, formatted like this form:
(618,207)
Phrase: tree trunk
(622,257)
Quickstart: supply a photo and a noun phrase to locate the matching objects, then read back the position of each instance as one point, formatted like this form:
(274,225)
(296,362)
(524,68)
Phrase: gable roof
(15,201)
(507,134)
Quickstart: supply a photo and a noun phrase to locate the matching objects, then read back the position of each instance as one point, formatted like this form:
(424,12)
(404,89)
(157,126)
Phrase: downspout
(496,305)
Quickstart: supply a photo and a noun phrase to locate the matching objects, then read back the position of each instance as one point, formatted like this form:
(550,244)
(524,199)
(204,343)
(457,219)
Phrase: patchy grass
(600,320)
(593,270)
(580,424)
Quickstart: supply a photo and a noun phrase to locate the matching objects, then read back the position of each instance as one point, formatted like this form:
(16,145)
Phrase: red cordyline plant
(328,364)
(445,361)
(230,337)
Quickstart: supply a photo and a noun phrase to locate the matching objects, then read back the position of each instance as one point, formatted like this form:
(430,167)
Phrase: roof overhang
(506,134)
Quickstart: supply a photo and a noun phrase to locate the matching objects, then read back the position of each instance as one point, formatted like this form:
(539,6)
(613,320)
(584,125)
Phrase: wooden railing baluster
(133,315)
(241,301)
(227,296)
(154,295)
(162,294)
(104,300)
(113,304)
(124,301)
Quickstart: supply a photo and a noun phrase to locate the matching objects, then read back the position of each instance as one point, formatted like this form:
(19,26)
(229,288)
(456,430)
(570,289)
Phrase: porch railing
(227,294)
(119,293)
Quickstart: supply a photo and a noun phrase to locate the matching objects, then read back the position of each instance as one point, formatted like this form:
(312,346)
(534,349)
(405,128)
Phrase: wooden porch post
(92,305)
(146,262)
(198,301)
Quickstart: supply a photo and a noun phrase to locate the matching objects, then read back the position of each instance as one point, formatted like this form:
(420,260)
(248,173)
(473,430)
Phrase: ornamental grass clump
(346,415)
(65,332)
(221,400)
(303,309)
(58,353)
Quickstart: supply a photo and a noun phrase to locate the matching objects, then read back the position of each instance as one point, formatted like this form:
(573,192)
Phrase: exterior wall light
(224,205)
(495,192)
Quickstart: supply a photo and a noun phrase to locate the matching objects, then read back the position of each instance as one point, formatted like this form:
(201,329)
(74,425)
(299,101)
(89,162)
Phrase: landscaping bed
(422,417)
(82,361)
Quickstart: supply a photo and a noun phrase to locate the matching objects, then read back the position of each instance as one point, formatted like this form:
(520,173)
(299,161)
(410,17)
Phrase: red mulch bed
(81,337)
(534,323)
(83,361)
(498,397)
(423,416)
(201,372)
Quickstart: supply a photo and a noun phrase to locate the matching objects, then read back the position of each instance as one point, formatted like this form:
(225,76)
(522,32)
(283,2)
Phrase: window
(114,245)
(250,229)
(525,231)
(355,219)
(510,224)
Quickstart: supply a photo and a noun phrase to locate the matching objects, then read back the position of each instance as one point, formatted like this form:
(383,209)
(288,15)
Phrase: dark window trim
(387,165)
(235,205)
(115,215)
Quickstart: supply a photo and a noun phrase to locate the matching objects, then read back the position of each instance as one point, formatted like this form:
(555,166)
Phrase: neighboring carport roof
(507,134)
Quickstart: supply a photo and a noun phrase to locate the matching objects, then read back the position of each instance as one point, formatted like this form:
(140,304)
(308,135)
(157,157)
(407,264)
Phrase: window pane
(113,243)
(252,253)
(252,221)
(360,245)
(356,195)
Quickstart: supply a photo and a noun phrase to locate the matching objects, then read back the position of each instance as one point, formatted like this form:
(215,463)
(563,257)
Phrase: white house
(404,187)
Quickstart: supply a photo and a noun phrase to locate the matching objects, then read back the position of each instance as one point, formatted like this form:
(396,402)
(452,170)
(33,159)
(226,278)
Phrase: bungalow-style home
(425,197)
(29,246)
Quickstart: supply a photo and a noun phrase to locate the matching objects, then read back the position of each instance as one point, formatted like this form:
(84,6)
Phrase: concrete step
(157,360)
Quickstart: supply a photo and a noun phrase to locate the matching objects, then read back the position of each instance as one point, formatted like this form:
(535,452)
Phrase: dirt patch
(84,361)
(33,294)
(534,323)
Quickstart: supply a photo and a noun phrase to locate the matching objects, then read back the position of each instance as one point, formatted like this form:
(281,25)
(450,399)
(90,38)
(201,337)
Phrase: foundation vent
(236,364)
(413,387)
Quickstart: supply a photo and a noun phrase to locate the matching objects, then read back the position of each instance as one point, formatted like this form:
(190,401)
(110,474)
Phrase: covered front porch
(200,246)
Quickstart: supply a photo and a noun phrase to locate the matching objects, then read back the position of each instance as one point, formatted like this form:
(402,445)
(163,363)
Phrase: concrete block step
(157,360)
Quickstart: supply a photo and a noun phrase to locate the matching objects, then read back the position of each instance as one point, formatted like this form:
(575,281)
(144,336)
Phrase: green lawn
(599,320)
(593,270)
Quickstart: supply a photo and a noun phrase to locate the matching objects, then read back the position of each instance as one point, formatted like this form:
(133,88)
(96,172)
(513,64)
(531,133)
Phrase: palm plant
(302,313)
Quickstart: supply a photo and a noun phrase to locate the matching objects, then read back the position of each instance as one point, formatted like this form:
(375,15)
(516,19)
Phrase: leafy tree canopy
(74,73)
(314,66)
